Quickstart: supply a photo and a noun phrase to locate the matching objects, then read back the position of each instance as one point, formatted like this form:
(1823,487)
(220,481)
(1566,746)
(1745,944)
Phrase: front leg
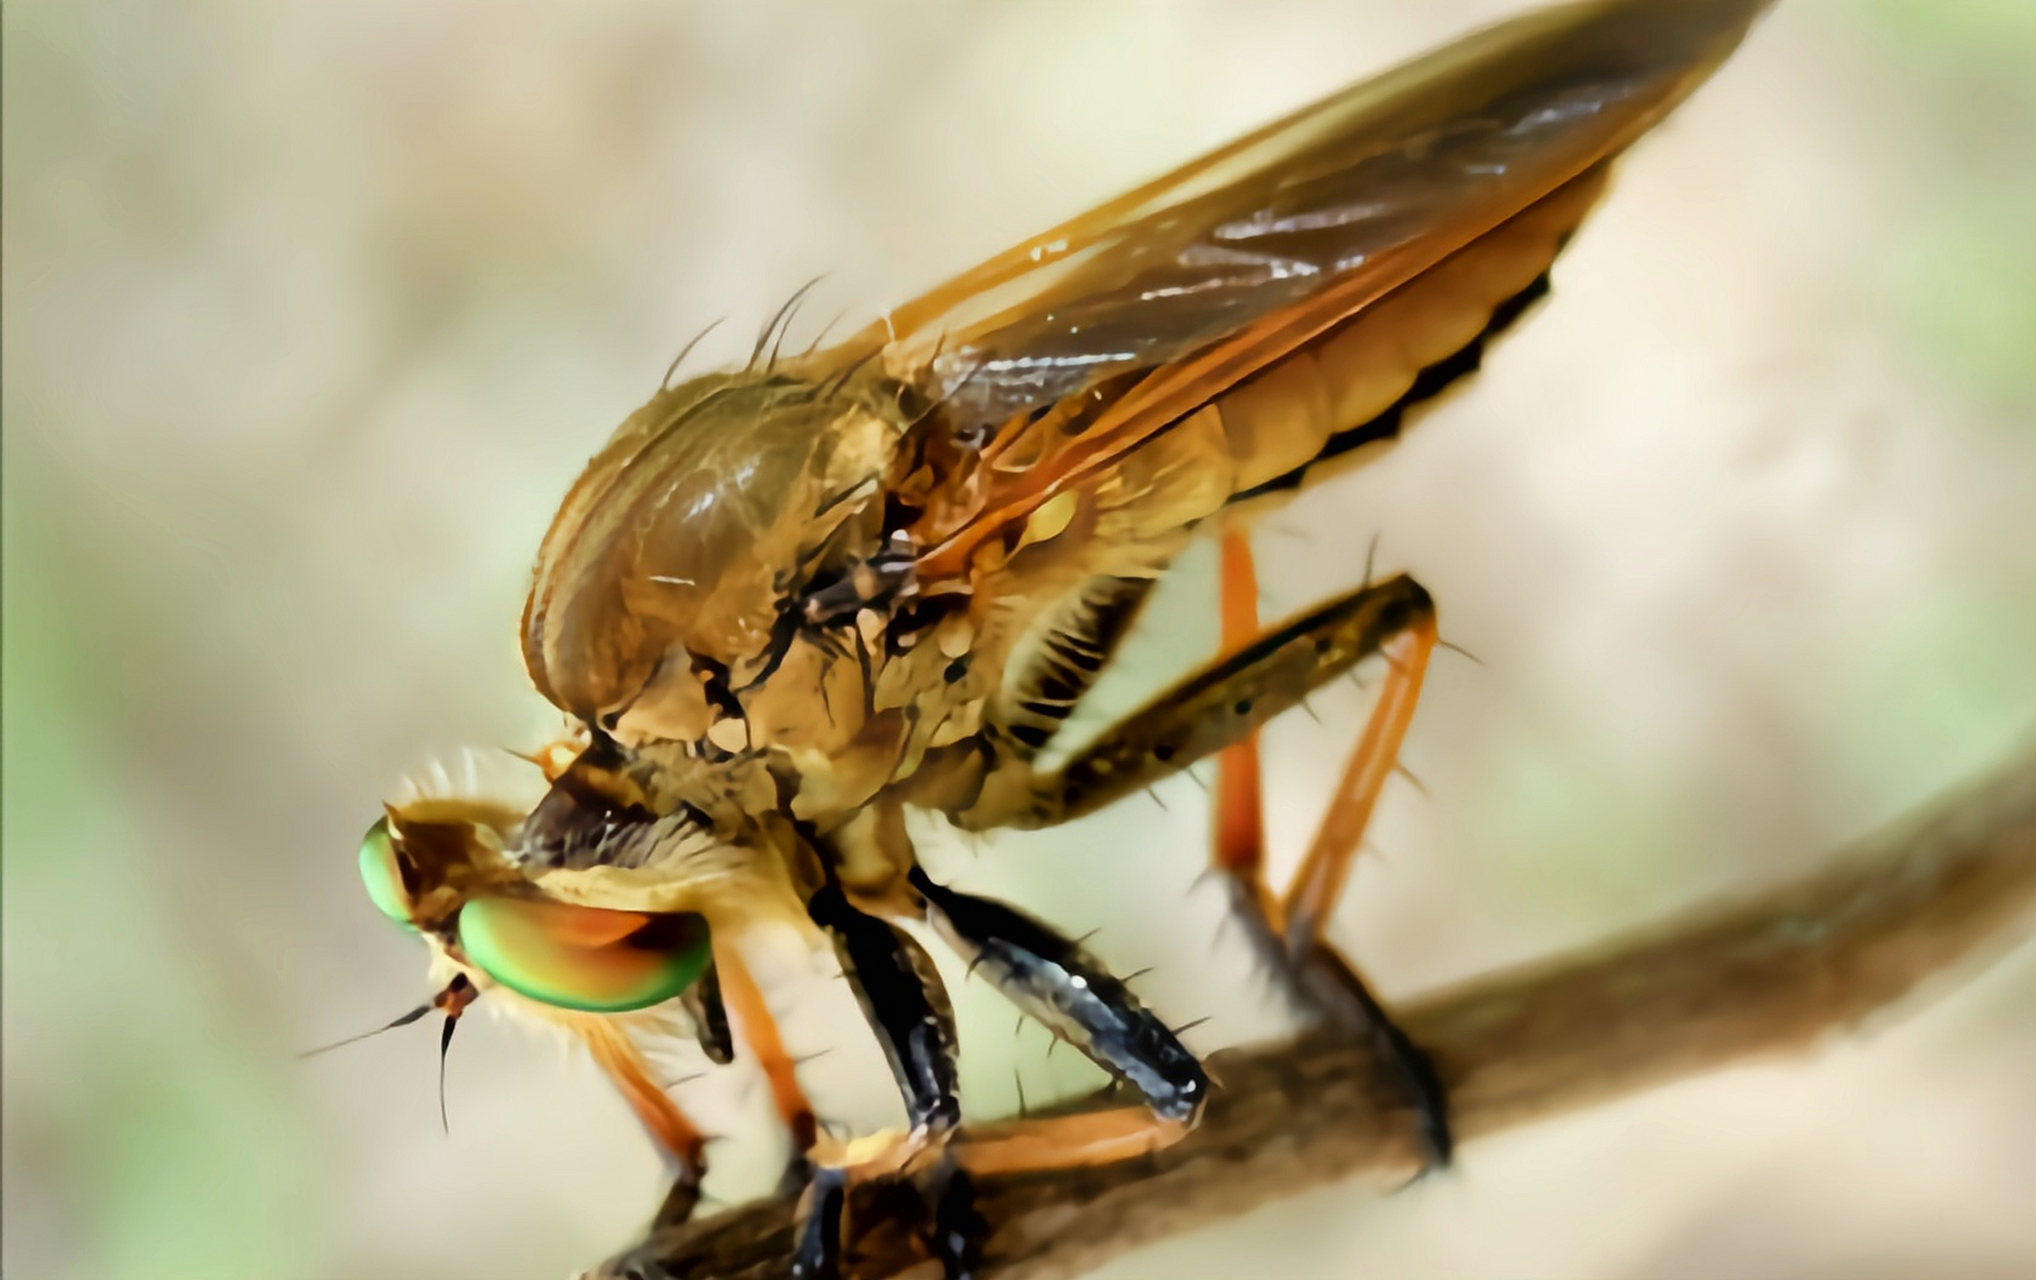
(680,1140)
(902,996)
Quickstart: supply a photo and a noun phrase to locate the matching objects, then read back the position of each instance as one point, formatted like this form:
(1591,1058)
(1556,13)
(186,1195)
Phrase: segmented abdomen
(1345,396)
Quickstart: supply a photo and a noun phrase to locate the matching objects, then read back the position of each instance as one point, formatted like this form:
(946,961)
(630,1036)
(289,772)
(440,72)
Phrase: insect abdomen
(1343,398)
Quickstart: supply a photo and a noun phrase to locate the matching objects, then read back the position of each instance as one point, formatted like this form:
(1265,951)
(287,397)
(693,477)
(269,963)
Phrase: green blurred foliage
(1964,277)
(178,1148)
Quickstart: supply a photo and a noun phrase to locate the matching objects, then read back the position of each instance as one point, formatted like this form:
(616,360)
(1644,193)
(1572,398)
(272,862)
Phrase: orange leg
(1064,1142)
(944,1165)
(668,1126)
(1326,867)
(1240,821)
(760,1032)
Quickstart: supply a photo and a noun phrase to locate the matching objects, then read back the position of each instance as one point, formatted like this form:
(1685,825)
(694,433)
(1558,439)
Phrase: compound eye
(383,876)
(584,958)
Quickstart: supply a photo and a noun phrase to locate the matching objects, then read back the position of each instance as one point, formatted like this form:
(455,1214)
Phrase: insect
(788,602)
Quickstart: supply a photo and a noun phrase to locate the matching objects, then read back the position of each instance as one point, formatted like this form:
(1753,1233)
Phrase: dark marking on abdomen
(1428,384)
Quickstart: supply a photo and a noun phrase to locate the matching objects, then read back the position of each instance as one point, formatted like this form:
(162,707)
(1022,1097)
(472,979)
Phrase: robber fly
(788,602)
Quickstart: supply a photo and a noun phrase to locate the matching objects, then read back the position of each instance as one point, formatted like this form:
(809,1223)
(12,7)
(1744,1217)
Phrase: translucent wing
(1135,315)
(1214,333)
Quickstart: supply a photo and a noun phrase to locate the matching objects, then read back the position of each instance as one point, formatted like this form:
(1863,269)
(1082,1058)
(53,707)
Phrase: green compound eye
(584,958)
(382,876)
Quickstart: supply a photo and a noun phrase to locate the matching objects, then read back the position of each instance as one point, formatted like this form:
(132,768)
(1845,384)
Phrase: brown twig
(1766,976)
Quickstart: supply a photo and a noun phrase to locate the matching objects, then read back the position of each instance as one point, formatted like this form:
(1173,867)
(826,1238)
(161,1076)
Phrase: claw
(958,1229)
(798,1175)
(822,1211)
(912,1166)
(679,1202)
(1335,990)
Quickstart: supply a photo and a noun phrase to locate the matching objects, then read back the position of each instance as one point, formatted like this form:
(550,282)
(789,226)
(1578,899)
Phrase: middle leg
(1218,711)
(1067,990)
(1060,985)
(906,1005)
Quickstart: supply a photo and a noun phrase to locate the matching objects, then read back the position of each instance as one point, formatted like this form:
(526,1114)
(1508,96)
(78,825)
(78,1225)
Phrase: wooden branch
(1763,977)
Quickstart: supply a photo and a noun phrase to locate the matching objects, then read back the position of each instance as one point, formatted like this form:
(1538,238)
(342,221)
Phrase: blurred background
(312,312)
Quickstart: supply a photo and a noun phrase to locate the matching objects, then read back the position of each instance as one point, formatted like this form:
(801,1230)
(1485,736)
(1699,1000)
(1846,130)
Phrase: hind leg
(1286,929)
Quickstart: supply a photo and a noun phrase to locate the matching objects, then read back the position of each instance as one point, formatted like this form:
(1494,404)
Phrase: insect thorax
(758,644)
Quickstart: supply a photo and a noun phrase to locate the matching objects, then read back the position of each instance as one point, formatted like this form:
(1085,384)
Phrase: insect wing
(1154,303)
(1057,360)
